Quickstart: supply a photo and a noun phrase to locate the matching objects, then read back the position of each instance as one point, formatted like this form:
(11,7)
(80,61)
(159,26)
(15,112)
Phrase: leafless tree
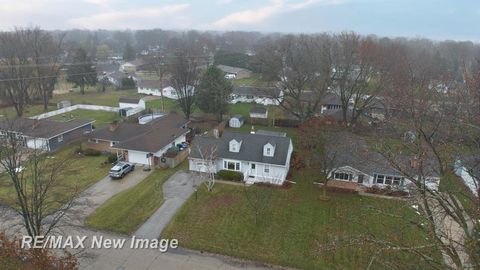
(37,181)
(16,70)
(46,53)
(449,216)
(160,66)
(360,68)
(302,66)
(258,199)
(208,156)
(321,149)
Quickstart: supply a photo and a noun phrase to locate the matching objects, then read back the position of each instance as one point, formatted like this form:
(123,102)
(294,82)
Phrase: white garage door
(37,144)
(138,157)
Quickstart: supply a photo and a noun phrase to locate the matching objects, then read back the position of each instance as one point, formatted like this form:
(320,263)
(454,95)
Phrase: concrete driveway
(176,190)
(99,193)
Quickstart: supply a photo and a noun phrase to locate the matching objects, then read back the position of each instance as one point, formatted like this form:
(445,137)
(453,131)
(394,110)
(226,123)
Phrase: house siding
(68,137)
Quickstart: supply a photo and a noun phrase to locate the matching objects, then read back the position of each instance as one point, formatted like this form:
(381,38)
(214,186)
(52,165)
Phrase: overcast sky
(437,19)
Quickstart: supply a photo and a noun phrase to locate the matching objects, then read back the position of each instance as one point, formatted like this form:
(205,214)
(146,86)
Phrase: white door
(138,157)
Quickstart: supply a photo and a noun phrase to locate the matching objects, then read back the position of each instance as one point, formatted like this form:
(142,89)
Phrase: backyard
(102,118)
(126,211)
(80,173)
(295,226)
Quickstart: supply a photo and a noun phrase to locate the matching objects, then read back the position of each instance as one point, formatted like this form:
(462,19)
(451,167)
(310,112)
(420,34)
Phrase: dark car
(121,169)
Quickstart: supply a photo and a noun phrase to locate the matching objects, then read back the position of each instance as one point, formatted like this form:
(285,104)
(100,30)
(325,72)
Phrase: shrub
(230,175)
(111,158)
(91,152)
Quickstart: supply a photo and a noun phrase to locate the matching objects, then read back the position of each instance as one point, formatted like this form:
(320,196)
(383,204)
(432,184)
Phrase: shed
(236,121)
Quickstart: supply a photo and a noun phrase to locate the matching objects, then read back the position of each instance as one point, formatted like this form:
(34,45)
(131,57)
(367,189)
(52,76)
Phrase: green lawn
(126,211)
(453,184)
(80,173)
(92,96)
(102,118)
(295,226)
(170,104)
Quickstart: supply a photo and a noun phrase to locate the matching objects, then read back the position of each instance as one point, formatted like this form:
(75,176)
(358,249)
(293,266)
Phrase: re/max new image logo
(96,242)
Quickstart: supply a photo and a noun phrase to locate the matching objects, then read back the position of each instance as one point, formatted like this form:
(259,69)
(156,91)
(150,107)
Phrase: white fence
(76,107)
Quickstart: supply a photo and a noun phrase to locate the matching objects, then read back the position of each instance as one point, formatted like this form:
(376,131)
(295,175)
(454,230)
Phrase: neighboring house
(151,87)
(260,95)
(260,157)
(142,144)
(234,72)
(129,102)
(44,134)
(259,112)
(135,65)
(115,78)
(358,164)
(236,121)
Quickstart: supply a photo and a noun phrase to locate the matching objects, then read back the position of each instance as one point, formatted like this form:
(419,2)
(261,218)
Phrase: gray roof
(271,133)
(256,91)
(352,150)
(42,128)
(149,137)
(250,150)
(259,110)
(150,84)
(232,70)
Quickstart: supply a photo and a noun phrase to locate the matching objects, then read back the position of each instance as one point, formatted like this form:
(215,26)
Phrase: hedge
(230,175)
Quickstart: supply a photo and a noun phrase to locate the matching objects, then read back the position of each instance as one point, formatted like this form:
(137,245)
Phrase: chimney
(113,126)
(413,162)
(35,124)
(252,130)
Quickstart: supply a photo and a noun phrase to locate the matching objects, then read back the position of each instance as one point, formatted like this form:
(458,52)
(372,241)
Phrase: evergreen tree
(213,92)
(81,72)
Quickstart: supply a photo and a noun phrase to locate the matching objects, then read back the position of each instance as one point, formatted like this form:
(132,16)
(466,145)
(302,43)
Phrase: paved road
(176,190)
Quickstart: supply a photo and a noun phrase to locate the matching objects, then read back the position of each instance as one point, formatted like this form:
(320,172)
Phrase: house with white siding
(260,157)
(357,163)
(259,95)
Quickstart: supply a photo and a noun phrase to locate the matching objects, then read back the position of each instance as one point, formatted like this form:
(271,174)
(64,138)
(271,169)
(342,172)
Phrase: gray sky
(437,19)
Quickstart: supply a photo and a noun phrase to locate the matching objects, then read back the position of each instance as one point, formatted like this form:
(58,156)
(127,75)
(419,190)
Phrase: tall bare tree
(185,70)
(37,181)
(16,67)
(359,73)
(302,66)
(46,52)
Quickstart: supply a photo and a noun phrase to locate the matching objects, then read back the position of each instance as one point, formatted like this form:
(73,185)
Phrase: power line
(44,77)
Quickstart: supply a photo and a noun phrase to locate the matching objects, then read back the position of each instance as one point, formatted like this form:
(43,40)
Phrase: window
(266,169)
(231,165)
(268,151)
(380,179)
(342,176)
(388,180)
(60,138)
(253,166)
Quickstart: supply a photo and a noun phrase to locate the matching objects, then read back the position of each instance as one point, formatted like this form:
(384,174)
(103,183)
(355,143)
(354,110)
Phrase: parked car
(121,169)
(182,146)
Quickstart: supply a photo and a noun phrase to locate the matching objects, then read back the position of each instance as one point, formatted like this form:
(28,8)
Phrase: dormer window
(269,149)
(234,146)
